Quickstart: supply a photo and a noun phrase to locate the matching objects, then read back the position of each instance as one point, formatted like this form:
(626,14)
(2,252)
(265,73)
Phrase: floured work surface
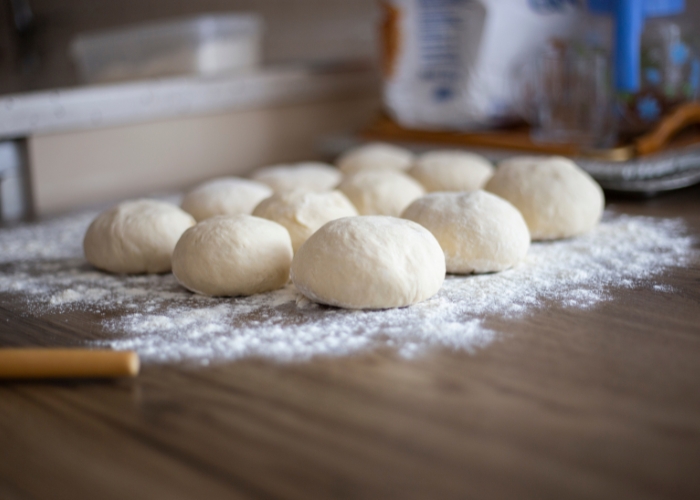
(575,375)
(162,321)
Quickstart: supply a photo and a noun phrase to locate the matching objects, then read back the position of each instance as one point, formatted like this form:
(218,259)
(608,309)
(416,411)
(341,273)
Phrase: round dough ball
(232,255)
(135,237)
(451,171)
(303,212)
(556,197)
(372,262)
(375,156)
(310,176)
(381,192)
(478,231)
(225,196)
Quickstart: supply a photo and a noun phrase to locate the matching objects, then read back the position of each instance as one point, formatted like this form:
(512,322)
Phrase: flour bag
(451,64)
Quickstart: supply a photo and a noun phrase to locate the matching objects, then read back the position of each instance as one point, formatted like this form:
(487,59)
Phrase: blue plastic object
(629,17)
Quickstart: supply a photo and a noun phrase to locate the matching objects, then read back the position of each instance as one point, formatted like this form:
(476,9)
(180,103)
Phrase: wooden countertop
(599,403)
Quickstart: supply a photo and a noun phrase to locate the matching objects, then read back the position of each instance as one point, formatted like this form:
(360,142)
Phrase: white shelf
(88,107)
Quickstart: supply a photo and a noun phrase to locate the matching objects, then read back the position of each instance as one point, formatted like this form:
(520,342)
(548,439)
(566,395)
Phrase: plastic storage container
(205,44)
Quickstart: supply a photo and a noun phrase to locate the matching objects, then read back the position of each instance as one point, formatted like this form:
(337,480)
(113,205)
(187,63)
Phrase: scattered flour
(43,264)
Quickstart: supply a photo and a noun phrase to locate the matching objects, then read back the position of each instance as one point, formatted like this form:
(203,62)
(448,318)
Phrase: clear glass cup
(572,96)
(669,76)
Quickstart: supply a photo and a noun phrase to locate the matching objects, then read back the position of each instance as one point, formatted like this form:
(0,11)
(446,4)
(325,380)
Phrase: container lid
(628,17)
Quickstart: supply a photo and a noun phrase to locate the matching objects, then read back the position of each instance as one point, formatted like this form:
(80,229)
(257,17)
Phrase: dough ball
(375,156)
(451,171)
(303,212)
(372,262)
(309,176)
(556,197)
(381,192)
(478,231)
(135,237)
(232,255)
(224,196)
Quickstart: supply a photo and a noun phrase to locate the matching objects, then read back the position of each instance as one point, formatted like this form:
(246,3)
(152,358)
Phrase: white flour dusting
(153,315)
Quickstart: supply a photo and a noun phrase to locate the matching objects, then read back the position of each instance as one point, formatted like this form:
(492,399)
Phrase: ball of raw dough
(451,171)
(310,176)
(478,231)
(232,255)
(303,212)
(135,237)
(375,156)
(225,196)
(556,197)
(372,262)
(381,192)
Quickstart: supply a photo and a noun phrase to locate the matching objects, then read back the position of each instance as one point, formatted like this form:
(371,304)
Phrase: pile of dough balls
(378,230)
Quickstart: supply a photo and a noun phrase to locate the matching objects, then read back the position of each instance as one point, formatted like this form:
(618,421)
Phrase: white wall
(70,170)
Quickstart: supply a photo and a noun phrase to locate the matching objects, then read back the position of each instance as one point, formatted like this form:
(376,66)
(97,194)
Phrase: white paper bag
(450,64)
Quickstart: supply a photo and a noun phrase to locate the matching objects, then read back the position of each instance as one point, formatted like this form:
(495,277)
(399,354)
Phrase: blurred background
(100,101)
(36,55)
(321,57)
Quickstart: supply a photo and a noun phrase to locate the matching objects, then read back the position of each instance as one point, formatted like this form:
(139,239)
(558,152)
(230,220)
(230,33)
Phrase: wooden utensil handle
(684,115)
(67,363)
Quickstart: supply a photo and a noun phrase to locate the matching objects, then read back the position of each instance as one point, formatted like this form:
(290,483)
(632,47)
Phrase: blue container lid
(629,17)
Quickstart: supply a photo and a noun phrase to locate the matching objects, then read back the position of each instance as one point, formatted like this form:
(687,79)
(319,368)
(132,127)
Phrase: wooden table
(601,403)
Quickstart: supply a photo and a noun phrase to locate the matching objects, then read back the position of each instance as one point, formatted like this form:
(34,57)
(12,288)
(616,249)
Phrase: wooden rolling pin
(67,363)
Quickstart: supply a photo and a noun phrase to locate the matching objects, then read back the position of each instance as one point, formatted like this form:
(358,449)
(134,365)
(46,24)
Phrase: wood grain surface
(601,403)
